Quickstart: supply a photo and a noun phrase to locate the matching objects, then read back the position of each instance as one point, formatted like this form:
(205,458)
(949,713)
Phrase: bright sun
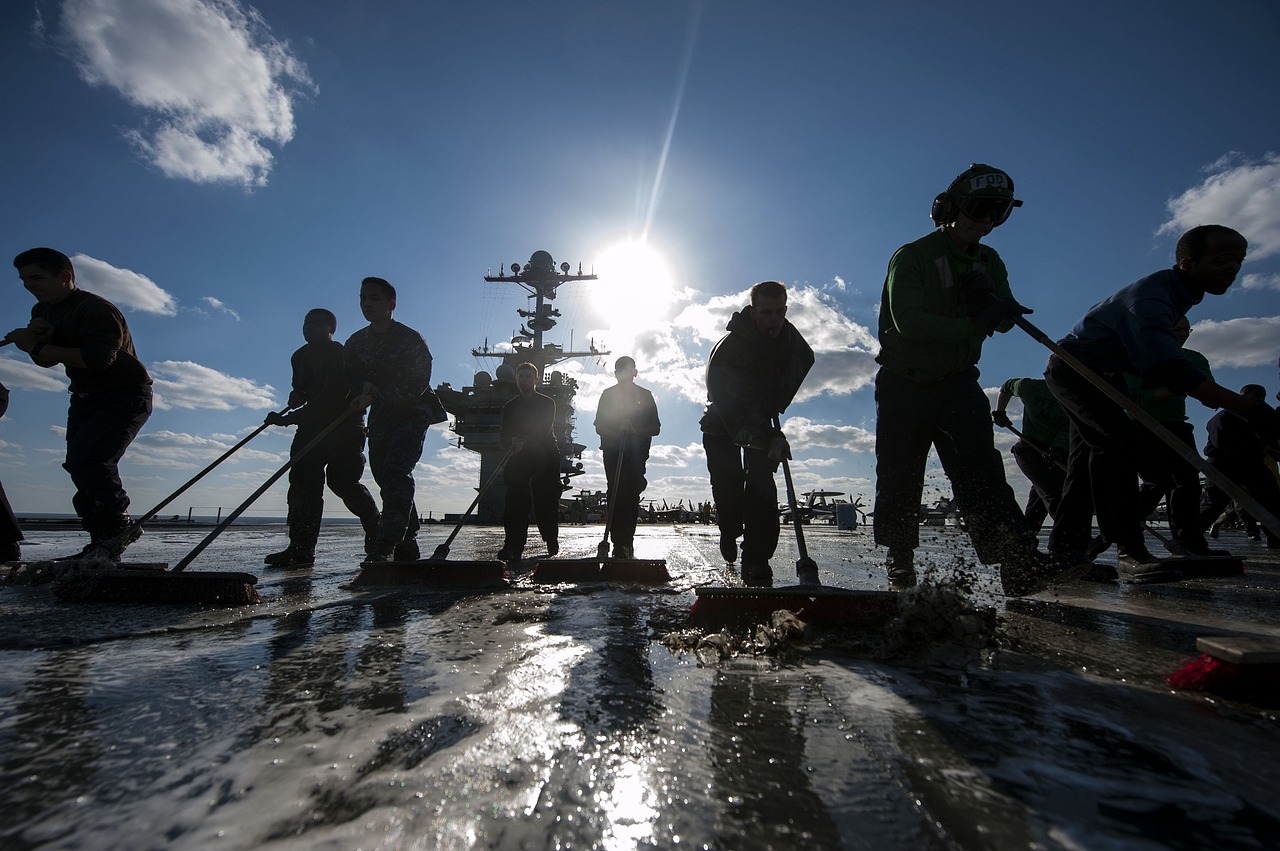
(636,290)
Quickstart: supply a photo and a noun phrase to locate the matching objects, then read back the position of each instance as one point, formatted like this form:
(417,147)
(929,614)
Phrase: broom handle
(497,471)
(197,477)
(1186,453)
(791,500)
(231,518)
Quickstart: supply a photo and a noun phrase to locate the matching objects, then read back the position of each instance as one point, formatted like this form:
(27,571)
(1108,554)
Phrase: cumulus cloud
(180,450)
(215,84)
(183,384)
(1238,193)
(19,372)
(803,433)
(122,287)
(1247,341)
(1260,282)
(219,305)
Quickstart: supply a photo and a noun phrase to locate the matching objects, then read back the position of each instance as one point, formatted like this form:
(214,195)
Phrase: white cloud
(215,82)
(180,450)
(122,287)
(19,373)
(803,433)
(183,384)
(678,457)
(1260,282)
(1240,194)
(218,304)
(1247,341)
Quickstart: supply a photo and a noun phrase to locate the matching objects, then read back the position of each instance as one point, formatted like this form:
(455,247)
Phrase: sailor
(753,374)
(627,421)
(1041,451)
(532,473)
(318,398)
(388,368)
(944,294)
(110,391)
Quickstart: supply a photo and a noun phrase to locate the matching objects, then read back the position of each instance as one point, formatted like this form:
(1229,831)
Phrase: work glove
(1001,419)
(275,418)
(1265,421)
(991,317)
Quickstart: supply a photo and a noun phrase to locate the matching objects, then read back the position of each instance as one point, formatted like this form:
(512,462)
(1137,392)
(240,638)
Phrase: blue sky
(218,168)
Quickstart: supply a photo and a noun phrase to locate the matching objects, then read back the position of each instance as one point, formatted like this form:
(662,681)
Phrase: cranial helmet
(980,192)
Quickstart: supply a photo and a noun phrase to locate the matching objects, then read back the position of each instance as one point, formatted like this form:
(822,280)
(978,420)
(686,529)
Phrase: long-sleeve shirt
(1169,407)
(320,391)
(94,325)
(751,379)
(926,333)
(531,419)
(1132,331)
(398,365)
(622,406)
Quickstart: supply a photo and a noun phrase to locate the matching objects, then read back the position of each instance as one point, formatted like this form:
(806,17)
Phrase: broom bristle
(125,586)
(460,574)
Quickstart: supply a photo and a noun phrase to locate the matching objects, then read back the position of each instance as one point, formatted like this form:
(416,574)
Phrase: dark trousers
(100,427)
(954,417)
(1102,469)
(1255,479)
(1165,473)
(1046,478)
(624,494)
(395,445)
(532,483)
(339,460)
(746,496)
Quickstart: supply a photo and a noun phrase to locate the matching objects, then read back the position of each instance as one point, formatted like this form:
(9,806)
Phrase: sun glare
(636,291)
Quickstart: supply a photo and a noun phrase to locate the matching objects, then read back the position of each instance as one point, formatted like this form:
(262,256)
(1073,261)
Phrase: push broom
(173,586)
(810,600)
(602,568)
(438,570)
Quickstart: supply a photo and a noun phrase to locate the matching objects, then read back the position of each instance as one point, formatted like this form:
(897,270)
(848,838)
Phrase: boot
(109,540)
(291,556)
(406,550)
(370,526)
(757,574)
(1137,565)
(901,567)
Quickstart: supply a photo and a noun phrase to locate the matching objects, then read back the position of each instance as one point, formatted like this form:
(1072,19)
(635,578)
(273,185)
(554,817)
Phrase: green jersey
(925,330)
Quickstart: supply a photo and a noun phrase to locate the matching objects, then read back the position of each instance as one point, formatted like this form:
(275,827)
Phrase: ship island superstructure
(477,409)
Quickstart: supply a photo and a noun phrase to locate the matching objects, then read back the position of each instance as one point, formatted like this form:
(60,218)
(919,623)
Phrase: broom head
(159,587)
(717,606)
(639,570)
(1243,666)
(435,573)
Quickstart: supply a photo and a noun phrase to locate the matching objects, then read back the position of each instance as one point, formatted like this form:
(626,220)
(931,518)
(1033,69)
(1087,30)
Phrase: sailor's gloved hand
(1265,421)
(275,418)
(1001,419)
(977,289)
(994,314)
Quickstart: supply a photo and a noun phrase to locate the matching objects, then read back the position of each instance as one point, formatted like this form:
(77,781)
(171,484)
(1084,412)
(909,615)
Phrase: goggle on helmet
(981,192)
